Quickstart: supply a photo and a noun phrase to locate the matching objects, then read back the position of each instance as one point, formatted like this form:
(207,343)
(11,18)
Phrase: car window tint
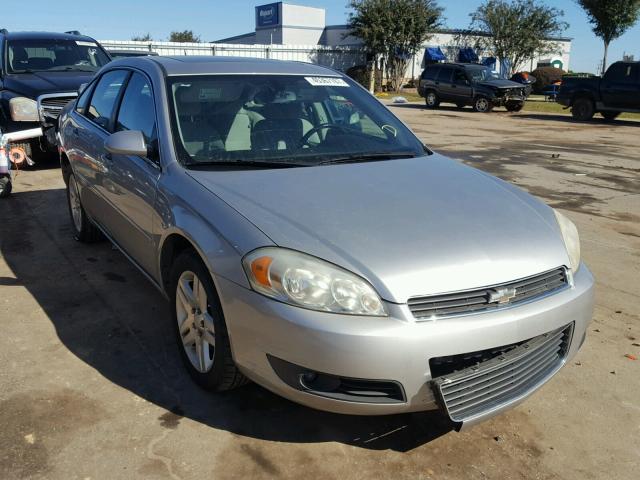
(459,77)
(430,73)
(104,97)
(137,110)
(83,101)
(445,74)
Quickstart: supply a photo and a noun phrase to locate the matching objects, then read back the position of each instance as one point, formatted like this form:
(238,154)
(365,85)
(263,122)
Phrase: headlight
(571,239)
(305,281)
(23,109)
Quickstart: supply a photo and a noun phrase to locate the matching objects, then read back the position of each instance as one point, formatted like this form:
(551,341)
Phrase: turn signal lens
(302,280)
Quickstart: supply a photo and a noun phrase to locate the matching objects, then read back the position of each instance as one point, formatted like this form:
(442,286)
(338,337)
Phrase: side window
(431,73)
(137,111)
(445,74)
(83,101)
(460,77)
(104,97)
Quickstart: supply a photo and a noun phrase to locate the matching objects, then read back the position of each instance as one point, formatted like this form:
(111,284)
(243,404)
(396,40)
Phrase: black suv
(40,72)
(469,84)
(616,92)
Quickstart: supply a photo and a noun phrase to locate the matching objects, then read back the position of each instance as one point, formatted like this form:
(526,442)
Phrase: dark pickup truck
(40,72)
(616,92)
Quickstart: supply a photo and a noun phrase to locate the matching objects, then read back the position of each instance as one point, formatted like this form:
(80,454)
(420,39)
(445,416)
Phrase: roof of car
(45,36)
(198,65)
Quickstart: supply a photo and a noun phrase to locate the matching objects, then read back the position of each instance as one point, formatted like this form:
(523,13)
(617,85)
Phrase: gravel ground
(91,385)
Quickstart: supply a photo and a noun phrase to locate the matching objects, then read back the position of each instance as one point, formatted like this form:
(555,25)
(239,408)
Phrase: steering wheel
(324,126)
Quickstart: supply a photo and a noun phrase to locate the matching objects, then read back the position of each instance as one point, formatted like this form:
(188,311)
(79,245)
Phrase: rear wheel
(482,105)
(583,109)
(5,187)
(431,99)
(200,327)
(609,116)
(84,231)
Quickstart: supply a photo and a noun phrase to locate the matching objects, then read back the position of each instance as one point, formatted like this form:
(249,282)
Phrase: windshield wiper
(369,157)
(246,163)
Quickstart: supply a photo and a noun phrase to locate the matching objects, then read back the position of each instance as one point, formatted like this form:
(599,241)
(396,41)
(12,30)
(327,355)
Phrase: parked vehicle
(40,72)
(526,79)
(616,92)
(469,84)
(306,239)
(115,54)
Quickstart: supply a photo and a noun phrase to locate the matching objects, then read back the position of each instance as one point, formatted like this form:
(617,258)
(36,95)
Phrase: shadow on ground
(109,316)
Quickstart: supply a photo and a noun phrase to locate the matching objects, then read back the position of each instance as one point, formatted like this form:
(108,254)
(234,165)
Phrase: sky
(215,19)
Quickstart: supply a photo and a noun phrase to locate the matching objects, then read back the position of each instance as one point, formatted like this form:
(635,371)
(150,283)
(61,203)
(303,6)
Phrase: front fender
(219,234)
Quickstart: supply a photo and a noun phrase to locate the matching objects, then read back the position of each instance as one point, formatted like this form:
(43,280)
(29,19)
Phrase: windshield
(481,74)
(285,120)
(37,55)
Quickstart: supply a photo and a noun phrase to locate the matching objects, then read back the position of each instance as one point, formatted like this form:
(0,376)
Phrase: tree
(610,19)
(517,30)
(142,38)
(393,31)
(186,36)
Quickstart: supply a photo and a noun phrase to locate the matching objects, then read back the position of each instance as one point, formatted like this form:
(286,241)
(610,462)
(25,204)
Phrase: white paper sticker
(85,44)
(326,82)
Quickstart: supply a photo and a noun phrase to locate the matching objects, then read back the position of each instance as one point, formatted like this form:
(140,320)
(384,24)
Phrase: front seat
(282,128)
(197,134)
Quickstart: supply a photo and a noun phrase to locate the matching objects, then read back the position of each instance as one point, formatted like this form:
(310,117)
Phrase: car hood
(501,83)
(411,227)
(34,84)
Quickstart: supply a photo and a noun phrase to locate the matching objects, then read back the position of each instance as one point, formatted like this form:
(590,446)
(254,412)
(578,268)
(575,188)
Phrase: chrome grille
(499,381)
(483,299)
(50,105)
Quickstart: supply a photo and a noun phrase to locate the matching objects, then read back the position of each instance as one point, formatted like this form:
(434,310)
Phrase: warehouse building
(287,24)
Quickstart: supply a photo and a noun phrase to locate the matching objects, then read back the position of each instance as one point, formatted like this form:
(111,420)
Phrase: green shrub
(360,74)
(546,76)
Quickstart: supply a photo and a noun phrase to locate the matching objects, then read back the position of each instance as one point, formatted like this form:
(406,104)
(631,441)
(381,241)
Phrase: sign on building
(268,15)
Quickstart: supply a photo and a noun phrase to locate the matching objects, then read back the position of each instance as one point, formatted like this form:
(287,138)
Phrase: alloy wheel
(195,322)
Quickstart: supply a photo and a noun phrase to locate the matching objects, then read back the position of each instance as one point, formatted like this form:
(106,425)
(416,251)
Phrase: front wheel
(84,231)
(5,187)
(514,106)
(583,109)
(200,327)
(482,105)
(431,99)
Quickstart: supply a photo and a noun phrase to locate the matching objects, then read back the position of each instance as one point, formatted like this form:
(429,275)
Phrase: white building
(287,24)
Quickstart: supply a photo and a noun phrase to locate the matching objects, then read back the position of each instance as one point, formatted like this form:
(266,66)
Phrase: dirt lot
(91,385)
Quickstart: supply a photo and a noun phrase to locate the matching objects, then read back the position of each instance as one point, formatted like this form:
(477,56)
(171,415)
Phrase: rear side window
(83,101)
(105,96)
(445,74)
(430,73)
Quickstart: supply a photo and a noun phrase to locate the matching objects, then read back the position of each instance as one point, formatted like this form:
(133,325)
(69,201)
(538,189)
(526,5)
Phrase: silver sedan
(308,241)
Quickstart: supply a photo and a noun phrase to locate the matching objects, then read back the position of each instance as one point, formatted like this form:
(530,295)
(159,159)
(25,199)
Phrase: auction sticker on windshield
(326,82)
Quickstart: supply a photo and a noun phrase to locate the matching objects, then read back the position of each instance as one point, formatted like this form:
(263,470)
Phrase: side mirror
(128,142)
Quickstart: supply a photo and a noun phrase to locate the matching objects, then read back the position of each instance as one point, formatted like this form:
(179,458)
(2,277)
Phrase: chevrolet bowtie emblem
(501,295)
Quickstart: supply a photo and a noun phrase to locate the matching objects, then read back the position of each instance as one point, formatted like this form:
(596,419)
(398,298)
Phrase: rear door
(133,179)
(443,82)
(461,86)
(620,87)
(90,127)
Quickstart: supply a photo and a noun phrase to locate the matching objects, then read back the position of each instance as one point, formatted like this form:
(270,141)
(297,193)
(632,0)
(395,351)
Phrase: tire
(514,107)
(198,320)
(482,105)
(583,109)
(610,116)
(5,187)
(84,231)
(431,99)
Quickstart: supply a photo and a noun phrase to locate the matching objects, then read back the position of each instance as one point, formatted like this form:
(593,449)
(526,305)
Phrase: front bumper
(395,348)
(502,101)
(563,100)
